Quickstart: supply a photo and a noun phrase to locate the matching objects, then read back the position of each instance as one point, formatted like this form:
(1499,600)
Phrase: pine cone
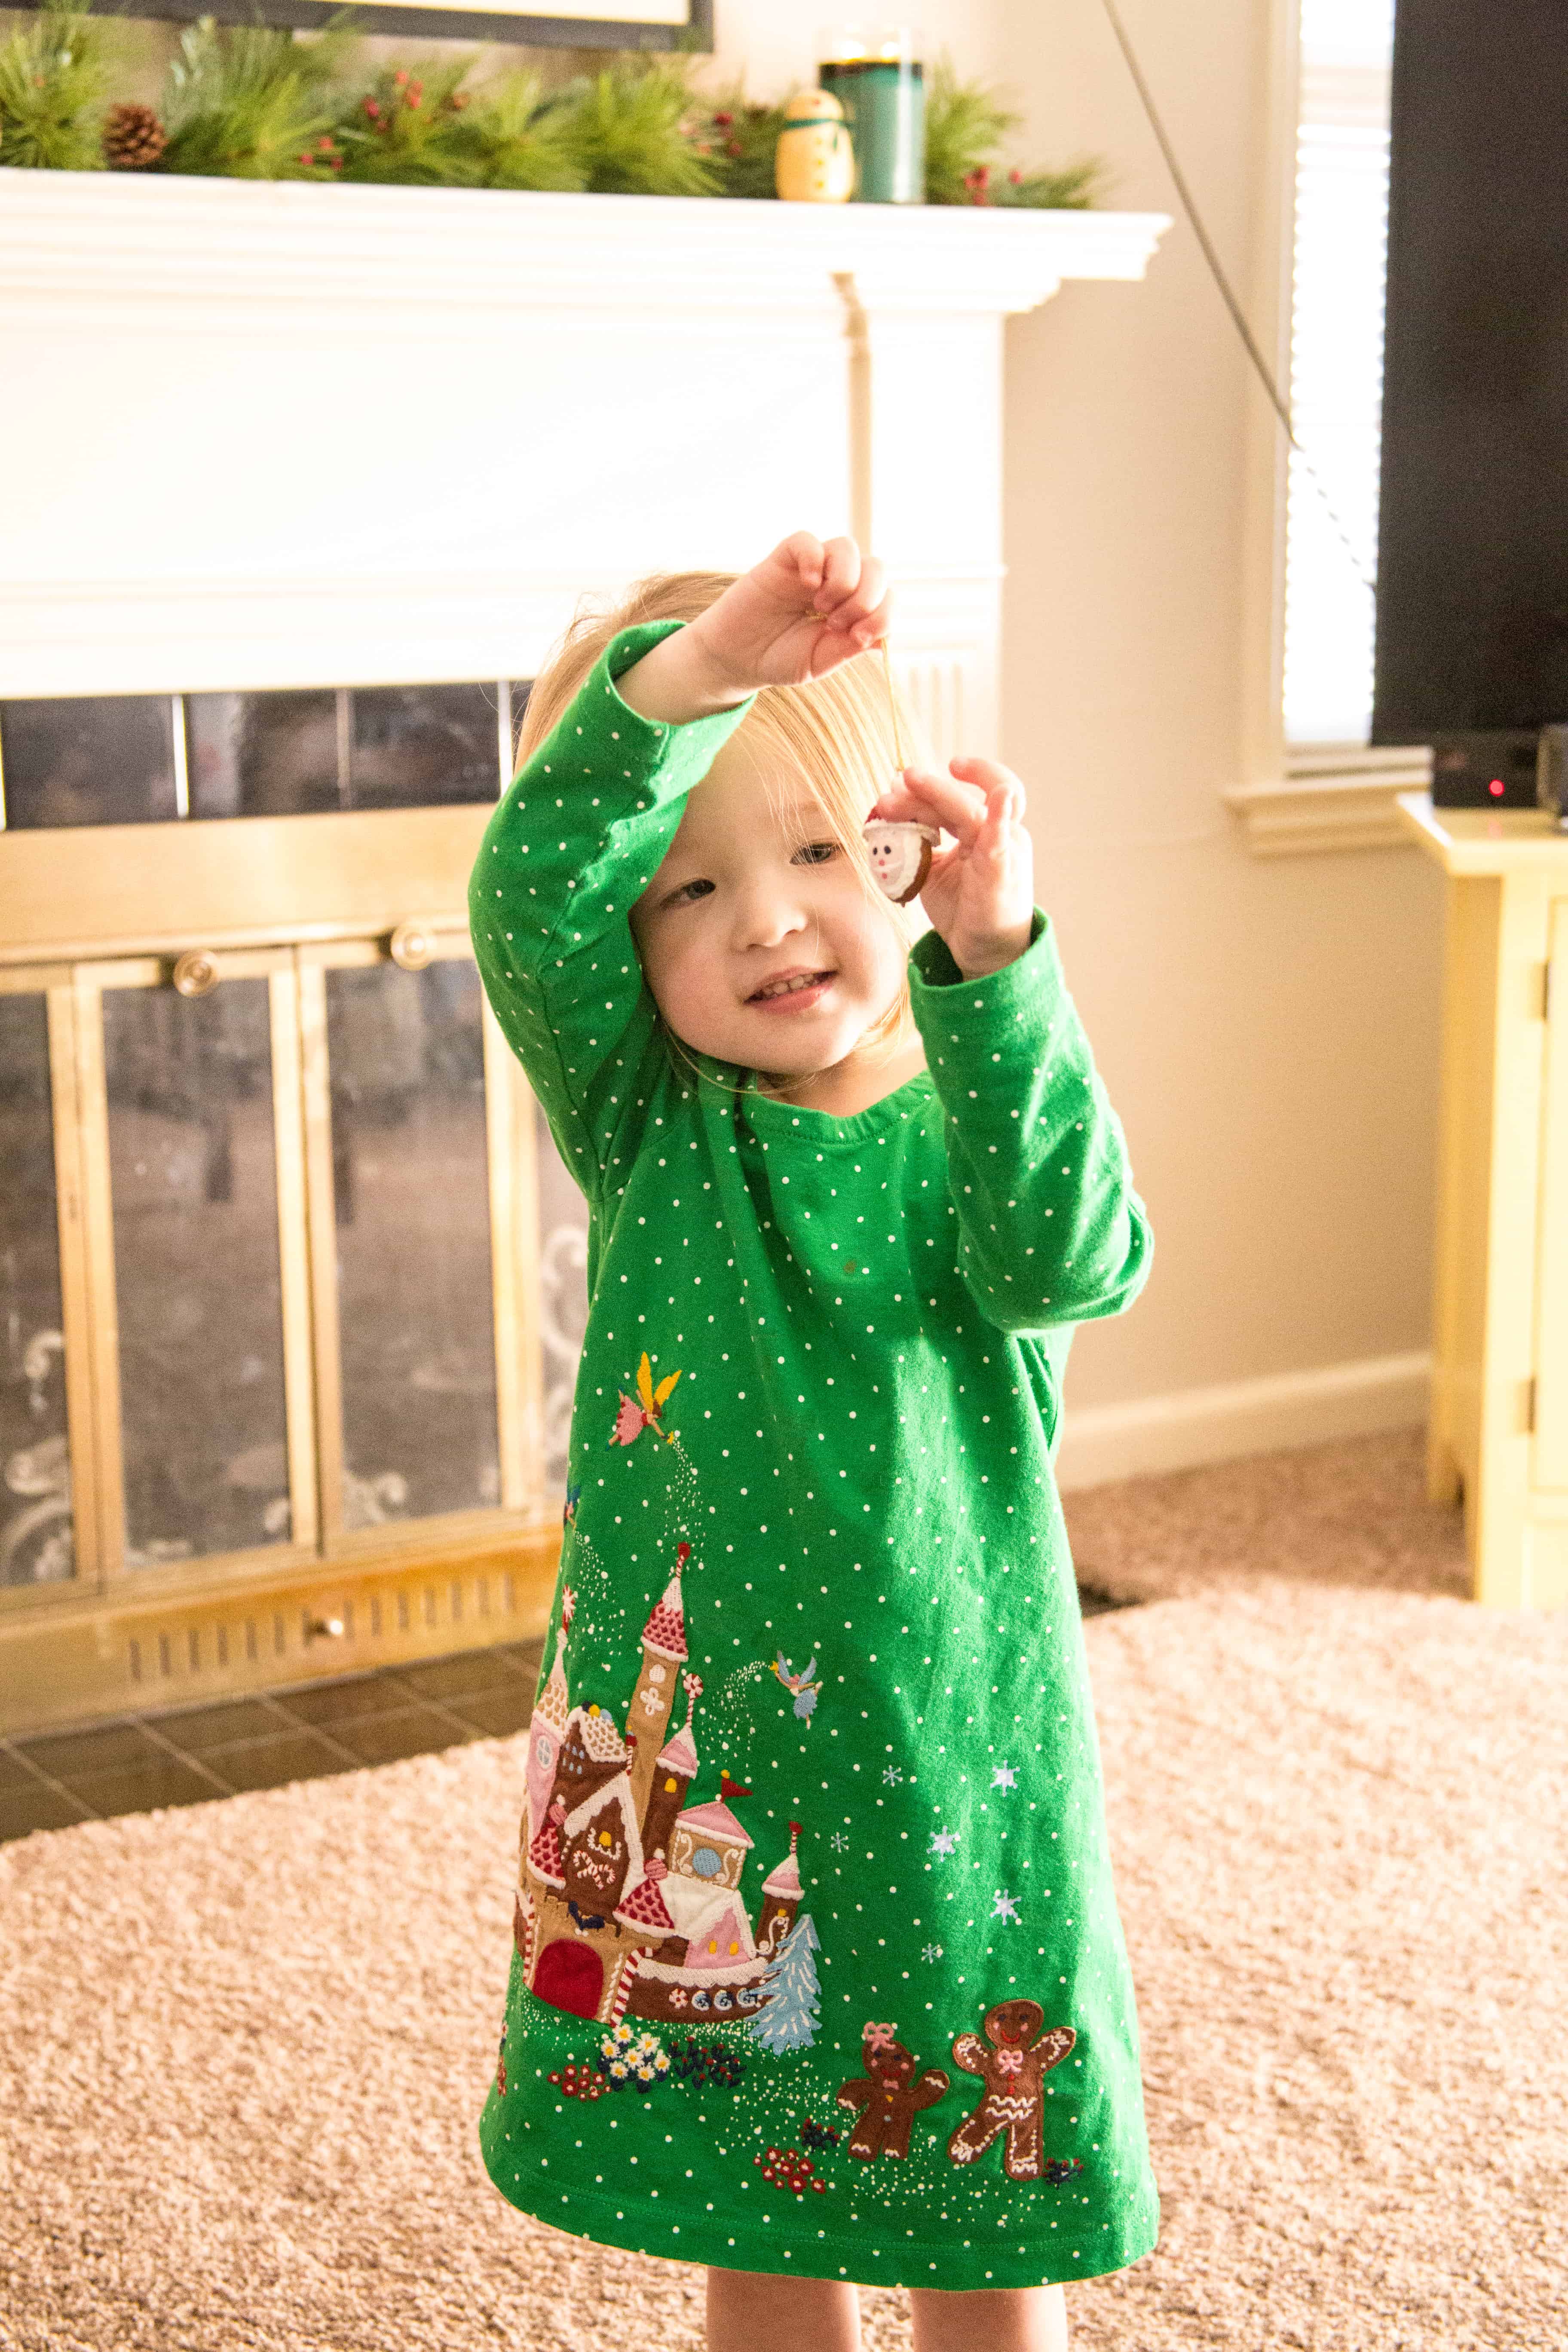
(133,138)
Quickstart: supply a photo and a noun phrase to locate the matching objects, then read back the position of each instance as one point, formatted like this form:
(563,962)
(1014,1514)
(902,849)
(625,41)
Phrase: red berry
(400,77)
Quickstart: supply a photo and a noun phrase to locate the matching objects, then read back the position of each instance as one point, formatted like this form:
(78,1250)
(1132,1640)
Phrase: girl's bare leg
(1000,2319)
(752,2309)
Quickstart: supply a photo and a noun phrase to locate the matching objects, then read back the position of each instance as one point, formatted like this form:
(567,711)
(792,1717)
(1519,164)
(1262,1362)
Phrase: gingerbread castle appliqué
(627,1898)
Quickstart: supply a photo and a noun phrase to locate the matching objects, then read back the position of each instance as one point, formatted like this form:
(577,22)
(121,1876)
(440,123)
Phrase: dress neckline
(768,1117)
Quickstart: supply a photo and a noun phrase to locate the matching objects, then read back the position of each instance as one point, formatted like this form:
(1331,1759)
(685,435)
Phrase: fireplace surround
(295,1275)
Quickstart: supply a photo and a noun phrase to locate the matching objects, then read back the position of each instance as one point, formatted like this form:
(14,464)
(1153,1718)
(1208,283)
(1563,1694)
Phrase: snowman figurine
(900,854)
(814,163)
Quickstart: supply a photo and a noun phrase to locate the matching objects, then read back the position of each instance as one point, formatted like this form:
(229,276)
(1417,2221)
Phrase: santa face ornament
(899,855)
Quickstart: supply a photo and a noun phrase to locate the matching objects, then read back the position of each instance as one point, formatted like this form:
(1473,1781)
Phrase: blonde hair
(837,732)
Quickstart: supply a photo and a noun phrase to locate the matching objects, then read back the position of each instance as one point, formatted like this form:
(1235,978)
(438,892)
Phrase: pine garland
(1077,188)
(741,138)
(631,130)
(406,129)
(54,78)
(966,123)
(249,102)
(517,140)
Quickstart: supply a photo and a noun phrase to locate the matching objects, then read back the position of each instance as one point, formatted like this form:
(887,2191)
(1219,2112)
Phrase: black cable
(1217,270)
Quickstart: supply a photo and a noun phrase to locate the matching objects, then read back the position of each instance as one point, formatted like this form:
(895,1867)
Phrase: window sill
(1332,796)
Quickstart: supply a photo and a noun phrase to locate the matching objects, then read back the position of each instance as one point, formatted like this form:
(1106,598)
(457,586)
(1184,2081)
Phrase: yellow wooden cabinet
(1499,1387)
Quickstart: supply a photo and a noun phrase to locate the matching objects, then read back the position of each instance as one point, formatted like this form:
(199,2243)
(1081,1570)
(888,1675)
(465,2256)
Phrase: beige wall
(1267,1029)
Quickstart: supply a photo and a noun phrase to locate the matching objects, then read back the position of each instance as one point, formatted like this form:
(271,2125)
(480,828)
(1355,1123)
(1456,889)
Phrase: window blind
(1338,268)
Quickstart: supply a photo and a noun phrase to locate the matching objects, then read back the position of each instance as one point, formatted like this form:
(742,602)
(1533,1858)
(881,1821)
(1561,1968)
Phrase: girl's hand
(794,616)
(980,895)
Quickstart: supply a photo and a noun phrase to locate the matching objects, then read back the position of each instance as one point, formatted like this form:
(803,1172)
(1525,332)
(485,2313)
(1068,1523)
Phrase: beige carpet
(242,2046)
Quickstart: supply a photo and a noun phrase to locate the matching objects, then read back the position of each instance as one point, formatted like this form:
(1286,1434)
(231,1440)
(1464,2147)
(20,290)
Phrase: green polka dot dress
(817,1962)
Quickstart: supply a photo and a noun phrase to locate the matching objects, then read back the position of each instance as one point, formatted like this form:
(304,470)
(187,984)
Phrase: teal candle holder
(879,82)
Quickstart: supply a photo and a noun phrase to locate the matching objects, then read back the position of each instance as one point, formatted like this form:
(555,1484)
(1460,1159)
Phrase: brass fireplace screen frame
(288,900)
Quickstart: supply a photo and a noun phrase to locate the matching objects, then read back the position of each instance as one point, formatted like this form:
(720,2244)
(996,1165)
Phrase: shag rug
(243,2046)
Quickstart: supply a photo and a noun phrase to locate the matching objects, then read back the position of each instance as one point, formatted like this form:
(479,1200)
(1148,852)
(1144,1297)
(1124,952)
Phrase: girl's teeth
(788,987)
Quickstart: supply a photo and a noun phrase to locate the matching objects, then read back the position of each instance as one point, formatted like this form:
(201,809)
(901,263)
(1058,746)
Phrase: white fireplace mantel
(70,236)
(267,435)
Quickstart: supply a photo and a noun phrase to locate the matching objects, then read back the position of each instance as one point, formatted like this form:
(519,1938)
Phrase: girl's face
(757,937)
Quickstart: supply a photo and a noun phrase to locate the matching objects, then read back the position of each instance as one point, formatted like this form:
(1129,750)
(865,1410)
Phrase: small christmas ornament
(814,163)
(901,856)
(899,850)
(133,138)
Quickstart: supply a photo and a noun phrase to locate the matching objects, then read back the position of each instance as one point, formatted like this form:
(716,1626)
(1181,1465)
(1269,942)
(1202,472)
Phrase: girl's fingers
(940,800)
(991,777)
(866,614)
(802,558)
(841,578)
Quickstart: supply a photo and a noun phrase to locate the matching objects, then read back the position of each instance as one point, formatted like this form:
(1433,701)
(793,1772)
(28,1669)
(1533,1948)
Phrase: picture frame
(628,24)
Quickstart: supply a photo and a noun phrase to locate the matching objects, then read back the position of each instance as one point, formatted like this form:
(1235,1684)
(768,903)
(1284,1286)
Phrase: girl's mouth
(796,994)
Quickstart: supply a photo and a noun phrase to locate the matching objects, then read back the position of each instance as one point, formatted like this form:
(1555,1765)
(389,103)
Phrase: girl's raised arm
(1051,1230)
(575,841)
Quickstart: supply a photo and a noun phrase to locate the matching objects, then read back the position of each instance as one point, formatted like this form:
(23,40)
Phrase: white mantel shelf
(274,435)
(110,236)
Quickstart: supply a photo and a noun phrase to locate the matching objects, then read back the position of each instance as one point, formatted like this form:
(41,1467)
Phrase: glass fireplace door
(269,1264)
(192,1136)
(423,1243)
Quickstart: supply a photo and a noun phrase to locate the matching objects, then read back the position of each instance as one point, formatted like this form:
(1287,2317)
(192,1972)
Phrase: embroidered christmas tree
(790,2019)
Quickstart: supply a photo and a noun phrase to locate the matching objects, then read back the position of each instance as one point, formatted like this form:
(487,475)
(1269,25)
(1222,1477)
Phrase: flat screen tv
(1472,594)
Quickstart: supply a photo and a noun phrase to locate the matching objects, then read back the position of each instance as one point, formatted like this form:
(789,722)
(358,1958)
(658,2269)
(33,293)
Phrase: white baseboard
(1192,1426)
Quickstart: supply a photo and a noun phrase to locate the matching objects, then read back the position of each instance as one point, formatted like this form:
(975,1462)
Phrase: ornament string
(893,707)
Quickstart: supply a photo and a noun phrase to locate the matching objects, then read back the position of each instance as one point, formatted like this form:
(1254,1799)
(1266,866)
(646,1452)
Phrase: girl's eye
(818,852)
(683,898)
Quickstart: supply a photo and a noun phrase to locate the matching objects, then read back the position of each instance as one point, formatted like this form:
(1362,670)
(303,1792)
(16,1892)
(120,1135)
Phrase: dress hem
(957,2268)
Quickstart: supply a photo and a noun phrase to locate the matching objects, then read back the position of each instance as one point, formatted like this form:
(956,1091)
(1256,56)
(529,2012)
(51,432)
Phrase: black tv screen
(1472,595)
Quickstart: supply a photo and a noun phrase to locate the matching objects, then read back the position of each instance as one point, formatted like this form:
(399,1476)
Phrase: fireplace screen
(192,1172)
(289,1268)
(411,1210)
(292,1275)
(35,1544)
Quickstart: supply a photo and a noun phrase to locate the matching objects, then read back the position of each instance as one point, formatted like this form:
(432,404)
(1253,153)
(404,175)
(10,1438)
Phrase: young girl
(819,1977)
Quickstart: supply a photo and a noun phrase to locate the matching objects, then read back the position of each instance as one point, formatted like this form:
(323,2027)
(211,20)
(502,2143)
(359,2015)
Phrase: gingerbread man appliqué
(889,2095)
(1014,2059)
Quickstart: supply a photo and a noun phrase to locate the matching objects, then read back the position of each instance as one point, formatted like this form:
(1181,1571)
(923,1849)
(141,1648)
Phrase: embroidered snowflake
(944,1842)
(931,1952)
(1002,1776)
(892,1776)
(838,1842)
(1005,1907)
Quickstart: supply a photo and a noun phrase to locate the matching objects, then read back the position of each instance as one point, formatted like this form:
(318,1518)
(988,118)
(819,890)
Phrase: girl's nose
(766,916)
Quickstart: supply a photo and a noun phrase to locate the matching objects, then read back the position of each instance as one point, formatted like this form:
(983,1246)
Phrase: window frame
(1295,798)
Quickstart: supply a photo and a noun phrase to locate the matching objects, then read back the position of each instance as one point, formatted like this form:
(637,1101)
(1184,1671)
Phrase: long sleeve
(575,840)
(1050,1229)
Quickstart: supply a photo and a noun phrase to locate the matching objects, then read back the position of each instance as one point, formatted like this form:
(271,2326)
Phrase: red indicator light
(1496,788)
